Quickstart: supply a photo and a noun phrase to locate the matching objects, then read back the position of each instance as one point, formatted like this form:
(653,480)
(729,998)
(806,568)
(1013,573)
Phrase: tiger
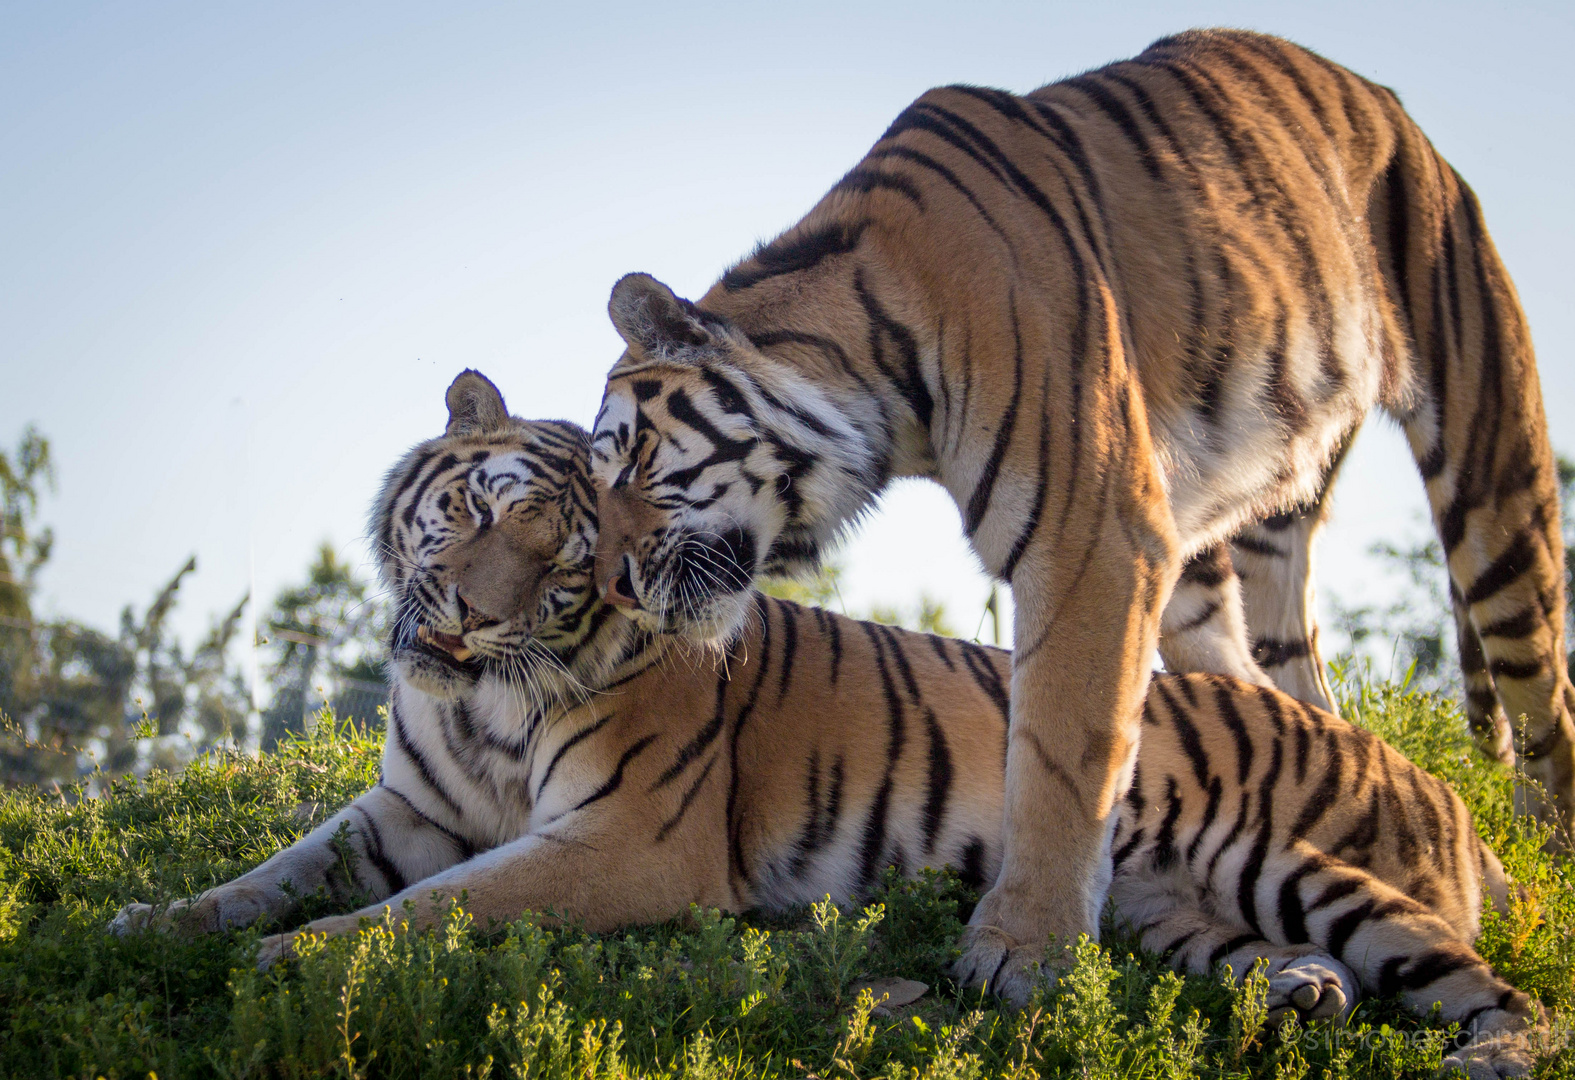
(1118,319)
(546,752)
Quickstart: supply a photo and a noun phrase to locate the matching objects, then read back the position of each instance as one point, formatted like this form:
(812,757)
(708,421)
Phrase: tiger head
(485,538)
(713,465)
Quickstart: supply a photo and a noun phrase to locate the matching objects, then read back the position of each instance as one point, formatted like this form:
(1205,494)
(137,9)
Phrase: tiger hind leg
(1398,946)
(1489,725)
(1304,980)
(1202,628)
(1473,414)
(1274,558)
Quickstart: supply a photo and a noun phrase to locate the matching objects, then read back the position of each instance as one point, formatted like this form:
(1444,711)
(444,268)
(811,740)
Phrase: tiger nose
(618,587)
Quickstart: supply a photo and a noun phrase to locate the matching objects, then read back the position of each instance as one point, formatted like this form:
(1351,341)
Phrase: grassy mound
(707,997)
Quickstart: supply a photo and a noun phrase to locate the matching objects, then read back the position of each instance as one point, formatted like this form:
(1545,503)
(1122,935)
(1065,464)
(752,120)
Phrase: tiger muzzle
(622,518)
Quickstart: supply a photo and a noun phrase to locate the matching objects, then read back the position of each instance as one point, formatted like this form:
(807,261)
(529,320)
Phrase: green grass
(706,997)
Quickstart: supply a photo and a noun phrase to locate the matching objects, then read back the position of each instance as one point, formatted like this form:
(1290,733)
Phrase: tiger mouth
(450,646)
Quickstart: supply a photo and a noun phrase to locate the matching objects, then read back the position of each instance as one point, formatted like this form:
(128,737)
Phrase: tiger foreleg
(1088,614)
(587,878)
(368,850)
(1203,628)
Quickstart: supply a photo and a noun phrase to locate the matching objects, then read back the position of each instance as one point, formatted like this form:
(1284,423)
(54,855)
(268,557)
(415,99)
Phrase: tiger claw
(994,962)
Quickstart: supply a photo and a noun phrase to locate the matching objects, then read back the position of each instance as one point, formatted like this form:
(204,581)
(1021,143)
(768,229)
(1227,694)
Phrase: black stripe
(696,746)
(790,615)
(1344,927)
(793,253)
(1293,916)
(979,499)
(402,741)
(1187,732)
(1252,869)
(1125,851)
(1466,1022)
(834,635)
(683,806)
(1516,559)
(1177,943)
(466,849)
(831,348)
(1210,568)
(1211,609)
(925,161)
(1225,948)
(615,781)
(1238,823)
(900,658)
(865,180)
(1512,669)
(1269,652)
(1231,716)
(972,872)
(448,461)
(374,853)
(1359,838)
(385,531)
(874,837)
(1164,849)
(568,744)
(940,781)
(987,678)
(1041,497)
(1429,968)
(1514,627)
(737,868)
(1210,811)
(906,377)
(1117,112)
(1303,745)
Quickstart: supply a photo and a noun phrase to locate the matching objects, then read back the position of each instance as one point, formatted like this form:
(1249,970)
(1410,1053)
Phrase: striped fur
(1120,319)
(815,750)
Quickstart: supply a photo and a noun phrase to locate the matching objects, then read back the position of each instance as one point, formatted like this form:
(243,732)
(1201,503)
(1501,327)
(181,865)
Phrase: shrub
(704,997)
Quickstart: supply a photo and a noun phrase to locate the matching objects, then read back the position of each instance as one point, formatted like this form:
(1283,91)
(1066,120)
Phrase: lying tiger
(544,753)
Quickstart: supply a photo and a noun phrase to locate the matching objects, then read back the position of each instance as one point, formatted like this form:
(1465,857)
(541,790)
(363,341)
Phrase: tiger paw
(1505,1041)
(1313,986)
(1491,1057)
(275,948)
(184,915)
(135,918)
(279,946)
(217,909)
(994,962)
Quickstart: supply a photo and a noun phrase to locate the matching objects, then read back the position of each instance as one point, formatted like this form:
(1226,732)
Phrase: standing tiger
(1118,319)
(546,753)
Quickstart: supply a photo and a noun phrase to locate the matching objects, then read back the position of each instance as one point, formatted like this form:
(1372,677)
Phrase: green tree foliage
(121,703)
(325,636)
(23,549)
(74,698)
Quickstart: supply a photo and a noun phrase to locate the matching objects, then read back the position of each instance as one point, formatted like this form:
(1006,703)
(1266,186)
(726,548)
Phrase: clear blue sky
(244,248)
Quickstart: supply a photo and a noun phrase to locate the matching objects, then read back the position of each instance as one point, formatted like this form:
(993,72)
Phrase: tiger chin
(632,778)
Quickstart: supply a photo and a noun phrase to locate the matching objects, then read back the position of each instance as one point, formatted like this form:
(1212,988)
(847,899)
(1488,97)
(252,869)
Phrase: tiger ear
(652,320)
(474,405)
